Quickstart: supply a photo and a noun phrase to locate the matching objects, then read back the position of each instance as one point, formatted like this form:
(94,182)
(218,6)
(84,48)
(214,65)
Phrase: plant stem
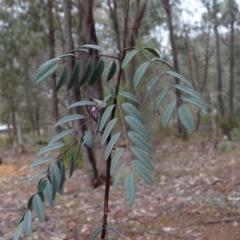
(108,165)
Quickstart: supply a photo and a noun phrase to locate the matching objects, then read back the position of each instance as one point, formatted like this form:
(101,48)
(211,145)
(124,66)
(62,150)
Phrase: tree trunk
(168,10)
(218,60)
(52,55)
(231,80)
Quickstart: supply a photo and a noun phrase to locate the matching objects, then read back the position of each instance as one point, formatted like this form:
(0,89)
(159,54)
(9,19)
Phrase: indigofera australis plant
(103,111)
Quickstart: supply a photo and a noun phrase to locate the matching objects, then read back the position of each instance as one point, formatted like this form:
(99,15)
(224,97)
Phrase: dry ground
(195,196)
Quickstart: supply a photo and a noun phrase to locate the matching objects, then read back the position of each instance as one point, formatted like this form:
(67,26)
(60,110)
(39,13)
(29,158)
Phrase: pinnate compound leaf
(132,111)
(137,126)
(186,117)
(74,76)
(82,103)
(115,231)
(87,72)
(111,145)
(108,130)
(97,72)
(45,72)
(92,46)
(42,185)
(35,176)
(153,51)
(119,174)
(142,171)
(129,96)
(70,118)
(61,135)
(187,90)
(130,188)
(168,113)
(180,77)
(48,193)
(128,57)
(42,161)
(51,147)
(62,78)
(38,208)
(112,71)
(138,140)
(164,62)
(72,162)
(196,102)
(139,73)
(105,116)
(150,86)
(95,233)
(160,99)
(18,231)
(27,222)
(141,156)
(115,160)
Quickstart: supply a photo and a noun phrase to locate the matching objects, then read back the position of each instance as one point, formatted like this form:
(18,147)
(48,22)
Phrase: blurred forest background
(200,39)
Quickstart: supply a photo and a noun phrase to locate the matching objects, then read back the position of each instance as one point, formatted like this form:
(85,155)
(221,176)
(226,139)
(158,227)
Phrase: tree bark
(52,55)
(167,7)
(218,60)
(231,80)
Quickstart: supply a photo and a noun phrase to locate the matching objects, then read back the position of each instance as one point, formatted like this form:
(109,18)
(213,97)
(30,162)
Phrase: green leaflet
(153,51)
(137,126)
(51,147)
(72,162)
(42,185)
(187,90)
(116,159)
(180,77)
(82,103)
(150,86)
(160,99)
(105,100)
(132,111)
(88,139)
(29,205)
(61,135)
(142,171)
(196,102)
(112,71)
(139,73)
(108,130)
(18,231)
(105,117)
(87,72)
(79,148)
(55,176)
(92,46)
(138,140)
(62,170)
(62,78)
(164,62)
(27,222)
(78,50)
(48,193)
(70,118)
(115,231)
(111,145)
(74,76)
(128,57)
(98,124)
(119,174)
(168,113)
(95,233)
(129,96)
(141,156)
(67,54)
(130,188)
(35,176)
(186,117)
(38,208)
(45,72)
(41,161)
(97,72)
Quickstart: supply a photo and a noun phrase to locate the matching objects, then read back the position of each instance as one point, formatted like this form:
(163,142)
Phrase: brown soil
(195,196)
